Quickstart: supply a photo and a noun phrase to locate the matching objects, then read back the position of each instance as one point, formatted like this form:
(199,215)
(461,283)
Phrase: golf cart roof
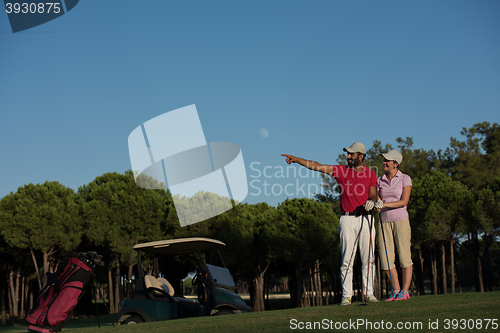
(179,245)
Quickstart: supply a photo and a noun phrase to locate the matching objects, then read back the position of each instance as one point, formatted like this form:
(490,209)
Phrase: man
(358,192)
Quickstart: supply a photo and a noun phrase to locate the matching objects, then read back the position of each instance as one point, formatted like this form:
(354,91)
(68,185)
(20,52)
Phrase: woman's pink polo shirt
(393,192)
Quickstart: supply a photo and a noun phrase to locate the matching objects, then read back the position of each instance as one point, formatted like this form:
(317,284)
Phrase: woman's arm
(404,199)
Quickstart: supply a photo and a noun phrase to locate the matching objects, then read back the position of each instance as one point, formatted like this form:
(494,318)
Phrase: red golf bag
(54,306)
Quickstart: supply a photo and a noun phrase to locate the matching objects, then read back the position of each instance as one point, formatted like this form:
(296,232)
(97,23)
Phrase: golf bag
(54,306)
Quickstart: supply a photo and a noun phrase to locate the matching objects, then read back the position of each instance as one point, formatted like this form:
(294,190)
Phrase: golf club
(386,255)
(368,270)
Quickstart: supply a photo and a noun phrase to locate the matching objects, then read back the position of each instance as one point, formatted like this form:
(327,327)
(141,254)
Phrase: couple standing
(360,192)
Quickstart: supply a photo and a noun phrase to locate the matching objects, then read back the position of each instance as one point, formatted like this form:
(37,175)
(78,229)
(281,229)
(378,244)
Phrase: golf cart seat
(166,286)
(162,288)
(158,287)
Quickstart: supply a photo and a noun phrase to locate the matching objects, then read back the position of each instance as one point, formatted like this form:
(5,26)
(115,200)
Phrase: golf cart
(154,297)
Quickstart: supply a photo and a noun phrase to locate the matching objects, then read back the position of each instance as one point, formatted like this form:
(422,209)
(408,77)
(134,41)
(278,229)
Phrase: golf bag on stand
(55,304)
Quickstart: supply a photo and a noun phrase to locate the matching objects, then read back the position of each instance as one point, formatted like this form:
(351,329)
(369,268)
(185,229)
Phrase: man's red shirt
(354,187)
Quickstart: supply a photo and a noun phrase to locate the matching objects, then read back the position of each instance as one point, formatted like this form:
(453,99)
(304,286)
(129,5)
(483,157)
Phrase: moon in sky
(263,133)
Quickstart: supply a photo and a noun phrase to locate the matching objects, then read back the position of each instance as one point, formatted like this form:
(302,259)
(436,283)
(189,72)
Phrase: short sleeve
(407,181)
(373,178)
(335,171)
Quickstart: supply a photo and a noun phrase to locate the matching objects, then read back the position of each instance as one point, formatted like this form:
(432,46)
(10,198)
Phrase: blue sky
(318,75)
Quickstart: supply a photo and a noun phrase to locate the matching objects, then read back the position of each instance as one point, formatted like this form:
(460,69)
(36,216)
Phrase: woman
(394,189)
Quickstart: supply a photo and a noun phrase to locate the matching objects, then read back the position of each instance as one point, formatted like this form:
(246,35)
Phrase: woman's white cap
(393,155)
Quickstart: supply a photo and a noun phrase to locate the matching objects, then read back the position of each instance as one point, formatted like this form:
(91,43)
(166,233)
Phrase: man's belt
(357,214)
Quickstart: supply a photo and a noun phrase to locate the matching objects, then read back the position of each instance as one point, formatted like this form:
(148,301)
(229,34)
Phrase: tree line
(454,213)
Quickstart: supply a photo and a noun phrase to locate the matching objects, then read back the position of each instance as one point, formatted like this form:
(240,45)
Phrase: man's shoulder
(339,171)
(339,167)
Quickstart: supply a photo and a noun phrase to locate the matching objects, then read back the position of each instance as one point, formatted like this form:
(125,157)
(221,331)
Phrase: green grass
(416,311)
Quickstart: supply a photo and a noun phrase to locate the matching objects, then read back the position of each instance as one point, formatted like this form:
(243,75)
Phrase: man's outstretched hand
(290,158)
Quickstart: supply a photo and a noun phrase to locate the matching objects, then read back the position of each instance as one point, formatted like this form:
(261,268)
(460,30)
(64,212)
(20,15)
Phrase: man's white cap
(356,147)
(393,155)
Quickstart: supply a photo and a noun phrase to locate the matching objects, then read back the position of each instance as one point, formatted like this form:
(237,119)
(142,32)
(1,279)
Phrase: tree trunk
(266,290)
(18,290)
(27,296)
(298,286)
(46,264)
(480,274)
(477,263)
(452,263)
(291,288)
(304,301)
(45,267)
(317,280)
(36,269)
(31,297)
(130,291)
(457,276)
(488,240)
(23,289)
(9,295)
(14,292)
(2,305)
(257,290)
(312,286)
(55,264)
(110,292)
(434,272)
(443,268)
(419,275)
(118,299)
(328,288)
